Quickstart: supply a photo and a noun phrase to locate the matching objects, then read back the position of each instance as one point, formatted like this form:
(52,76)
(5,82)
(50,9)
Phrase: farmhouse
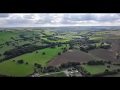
(73,72)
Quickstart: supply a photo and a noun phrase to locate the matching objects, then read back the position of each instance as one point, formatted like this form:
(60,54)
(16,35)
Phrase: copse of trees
(13,60)
(43,53)
(37,65)
(87,48)
(21,50)
(59,53)
(26,63)
(49,69)
(106,72)
(93,41)
(83,71)
(20,61)
(64,49)
(68,64)
(96,62)
(84,49)
(105,46)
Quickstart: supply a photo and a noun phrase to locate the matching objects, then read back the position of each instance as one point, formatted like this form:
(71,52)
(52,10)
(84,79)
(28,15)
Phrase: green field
(49,32)
(97,38)
(6,36)
(64,40)
(10,39)
(97,44)
(94,69)
(84,32)
(12,68)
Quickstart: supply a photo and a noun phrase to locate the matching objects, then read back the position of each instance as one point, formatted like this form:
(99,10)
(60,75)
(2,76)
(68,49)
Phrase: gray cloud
(4,15)
(59,19)
(74,18)
(18,20)
(28,16)
(108,18)
(79,17)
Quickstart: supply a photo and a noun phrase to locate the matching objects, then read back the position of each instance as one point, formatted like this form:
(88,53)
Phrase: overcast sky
(58,19)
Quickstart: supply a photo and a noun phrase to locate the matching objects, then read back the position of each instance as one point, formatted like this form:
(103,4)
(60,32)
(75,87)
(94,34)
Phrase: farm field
(71,56)
(31,58)
(53,43)
(94,69)
(104,54)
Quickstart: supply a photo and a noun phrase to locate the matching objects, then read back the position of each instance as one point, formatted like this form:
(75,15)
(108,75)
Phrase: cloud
(76,18)
(18,21)
(4,15)
(48,19)
(28,16)
(53,19)
(108,18)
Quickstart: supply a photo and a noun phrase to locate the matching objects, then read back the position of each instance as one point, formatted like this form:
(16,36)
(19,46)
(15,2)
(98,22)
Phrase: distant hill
(64,28)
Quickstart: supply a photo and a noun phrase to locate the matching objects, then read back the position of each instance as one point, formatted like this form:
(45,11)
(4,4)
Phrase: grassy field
(38,57)
(94,69)
(83,32)
(64,40)
(97,44)
(6,36)
(48,32)
(97,38)
(12,68)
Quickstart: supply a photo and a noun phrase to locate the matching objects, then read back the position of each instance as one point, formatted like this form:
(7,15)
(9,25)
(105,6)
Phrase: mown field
(94,69)
(12,68)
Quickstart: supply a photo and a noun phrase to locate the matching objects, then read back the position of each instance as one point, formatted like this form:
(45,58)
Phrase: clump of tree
(117,64)
(43,53)
(26,63)
(96,62)
(49,69)
(59,53)
(84,49)
(22,50)
(107,46)
(83,71)
(87,48)
(36,51)
(64,49)
(109,62)
(69,64)
(13,60)
(37,65)
(106,72)
(20,61)
(59,45)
